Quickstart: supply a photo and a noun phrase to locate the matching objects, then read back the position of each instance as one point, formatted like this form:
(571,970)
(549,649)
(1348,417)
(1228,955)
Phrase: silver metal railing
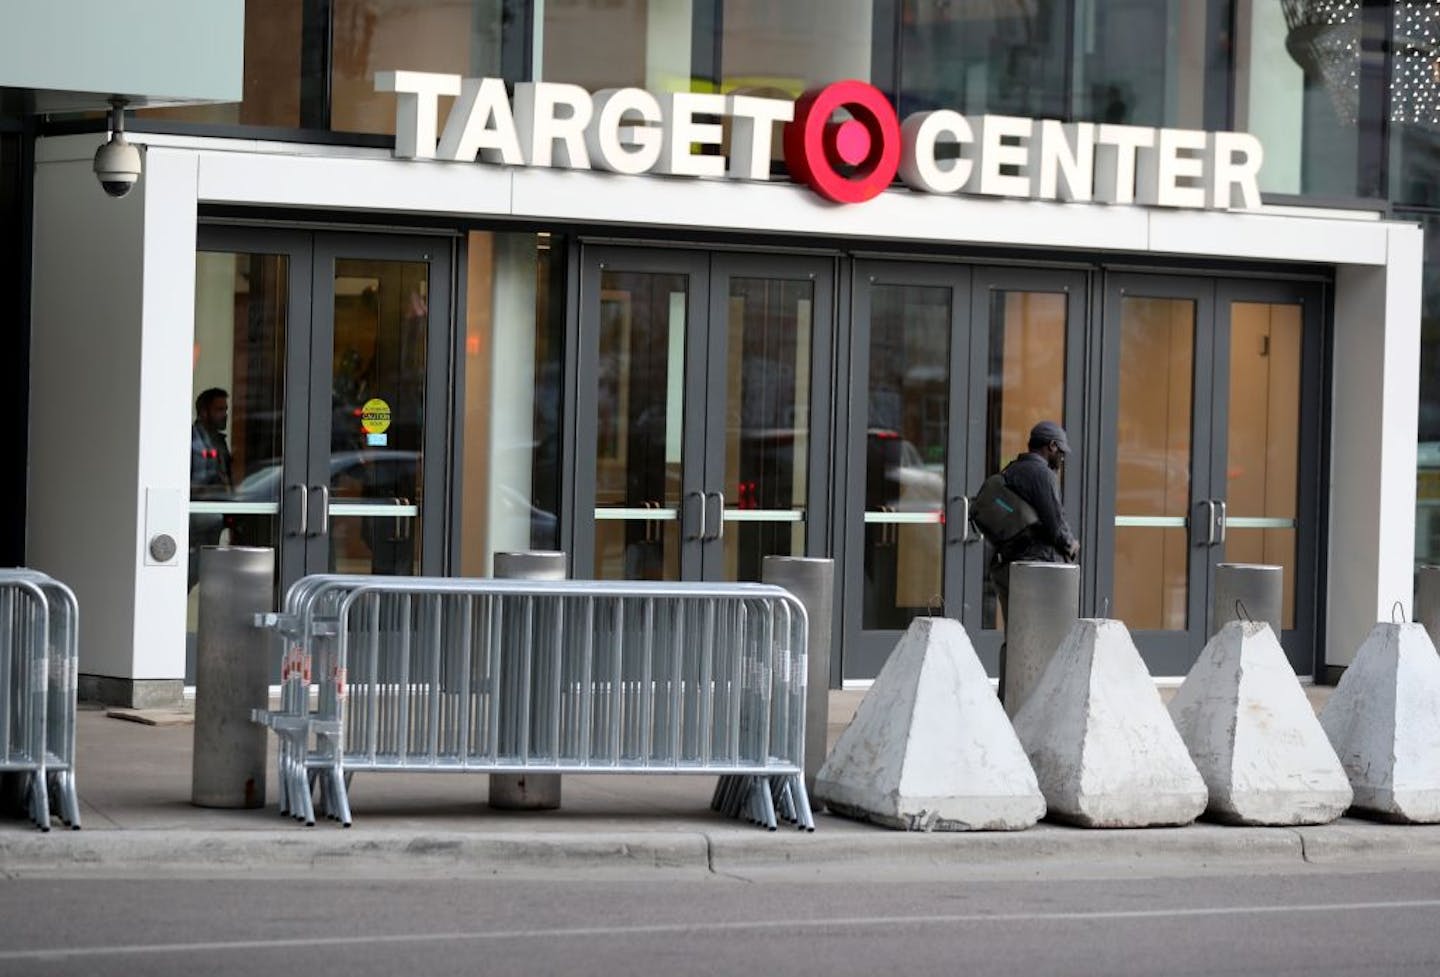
(39,664)
(447,674)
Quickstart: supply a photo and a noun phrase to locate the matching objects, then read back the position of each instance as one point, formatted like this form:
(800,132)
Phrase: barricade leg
(527,791)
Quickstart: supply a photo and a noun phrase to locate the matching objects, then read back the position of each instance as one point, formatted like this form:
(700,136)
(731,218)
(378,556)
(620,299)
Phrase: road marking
(659,929)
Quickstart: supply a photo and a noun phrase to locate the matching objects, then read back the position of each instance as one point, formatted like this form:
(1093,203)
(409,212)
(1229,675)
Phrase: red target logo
(848,162)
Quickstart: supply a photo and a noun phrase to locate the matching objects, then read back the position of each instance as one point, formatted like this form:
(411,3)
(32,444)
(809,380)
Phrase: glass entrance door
(697,423)
(321,361)
(951,367)
(1213,395)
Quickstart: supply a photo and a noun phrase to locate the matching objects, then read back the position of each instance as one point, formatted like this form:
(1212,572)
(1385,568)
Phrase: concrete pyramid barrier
(1383,720)
(930,748)
(1254,736)
(1104,749)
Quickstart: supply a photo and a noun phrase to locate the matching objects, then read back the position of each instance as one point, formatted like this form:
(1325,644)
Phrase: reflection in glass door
(643,316)
(368,443)
(325,348)
(697,428)
(1211,382)
(764,433)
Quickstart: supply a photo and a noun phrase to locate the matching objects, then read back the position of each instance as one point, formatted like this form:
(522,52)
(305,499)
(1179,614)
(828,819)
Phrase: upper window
(1314,79)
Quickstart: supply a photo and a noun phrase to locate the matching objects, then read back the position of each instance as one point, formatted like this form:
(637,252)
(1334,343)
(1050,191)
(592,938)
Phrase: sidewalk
(134,784)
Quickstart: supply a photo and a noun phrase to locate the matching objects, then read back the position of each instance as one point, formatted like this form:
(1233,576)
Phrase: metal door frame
(330,247)
(579,533)
(779,267)
(308,349)
(1301,643)
(706,360)
(865,651)
(1165,652)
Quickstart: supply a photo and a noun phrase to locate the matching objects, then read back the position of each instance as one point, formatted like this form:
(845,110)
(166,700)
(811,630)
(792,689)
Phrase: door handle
(324,518)
(1209,505)
(1224,512)
(719,514)
(700,534)
(403,525)
(303,509)
(965,535)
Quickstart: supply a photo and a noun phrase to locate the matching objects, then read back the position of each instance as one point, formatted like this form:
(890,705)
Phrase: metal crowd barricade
(39,666)
(503,676)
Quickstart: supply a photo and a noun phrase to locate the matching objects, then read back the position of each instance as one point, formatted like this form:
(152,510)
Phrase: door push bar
(1215,513)
(303,510)
(966,536)
(703,533)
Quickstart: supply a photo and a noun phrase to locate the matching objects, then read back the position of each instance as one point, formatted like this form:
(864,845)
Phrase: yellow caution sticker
(375,416)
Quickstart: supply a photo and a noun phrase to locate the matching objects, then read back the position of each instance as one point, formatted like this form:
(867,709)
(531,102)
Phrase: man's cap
(1047,431)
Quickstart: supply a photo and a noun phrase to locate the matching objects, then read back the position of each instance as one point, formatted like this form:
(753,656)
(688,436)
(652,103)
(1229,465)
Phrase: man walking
(1032,476)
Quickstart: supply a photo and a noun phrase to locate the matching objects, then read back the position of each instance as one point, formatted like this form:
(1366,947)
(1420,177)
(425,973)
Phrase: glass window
(774,48)
(1025,384)
(1427,516)
(1262,463)
(1009,59)
(274,44)
(460,37)
(1415,105)
(762,47)
(1152,466)
(514,328)
(1298,89)
(1146,62)
(285,58)
(238,389)
(905,440)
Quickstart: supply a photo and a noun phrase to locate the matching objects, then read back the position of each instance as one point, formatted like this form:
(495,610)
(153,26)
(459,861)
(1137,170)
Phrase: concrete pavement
(134,785)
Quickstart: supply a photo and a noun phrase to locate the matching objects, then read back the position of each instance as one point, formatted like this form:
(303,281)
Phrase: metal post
(1247,590)
(1427,601)
(527,791)
(231,676)
(812,581)
(1044,606)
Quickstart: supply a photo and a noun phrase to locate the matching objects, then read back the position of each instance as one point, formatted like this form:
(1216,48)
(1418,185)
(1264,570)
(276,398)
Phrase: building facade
(487,275)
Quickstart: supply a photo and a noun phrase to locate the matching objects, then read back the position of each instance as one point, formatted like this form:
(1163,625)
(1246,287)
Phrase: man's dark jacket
(1049,540)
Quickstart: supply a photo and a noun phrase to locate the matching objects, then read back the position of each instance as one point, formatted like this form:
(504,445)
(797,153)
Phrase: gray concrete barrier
(1044,605)
(231,676)
(812,581)
(527,791)
(1248,590)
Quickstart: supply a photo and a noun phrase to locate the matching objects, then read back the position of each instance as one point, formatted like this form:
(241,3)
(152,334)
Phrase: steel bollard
(1044,606)
(231,676)
(812,581)
(1427,601)
(527,791)
(1247,590)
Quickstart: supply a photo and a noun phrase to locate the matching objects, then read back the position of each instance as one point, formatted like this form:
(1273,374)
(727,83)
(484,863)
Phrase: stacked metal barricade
(505,676)
(39,663)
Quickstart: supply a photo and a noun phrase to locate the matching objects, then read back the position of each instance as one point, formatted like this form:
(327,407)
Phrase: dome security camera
(117,163)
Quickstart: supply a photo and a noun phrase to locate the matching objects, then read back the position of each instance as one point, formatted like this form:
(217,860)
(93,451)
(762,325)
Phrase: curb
(1037,846)
(398,851)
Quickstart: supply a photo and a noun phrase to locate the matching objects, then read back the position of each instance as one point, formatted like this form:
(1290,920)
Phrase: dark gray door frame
(309,332)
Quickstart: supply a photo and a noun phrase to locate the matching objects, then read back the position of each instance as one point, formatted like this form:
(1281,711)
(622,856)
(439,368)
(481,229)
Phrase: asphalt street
(1309,921)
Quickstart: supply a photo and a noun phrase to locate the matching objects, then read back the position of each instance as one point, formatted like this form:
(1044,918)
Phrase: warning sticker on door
(375,416)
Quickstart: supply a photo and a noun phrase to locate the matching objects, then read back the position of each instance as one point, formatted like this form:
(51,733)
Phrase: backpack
(999,512)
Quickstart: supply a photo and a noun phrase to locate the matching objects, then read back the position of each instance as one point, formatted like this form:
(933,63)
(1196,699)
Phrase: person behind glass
(209,471)
(1032,476)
